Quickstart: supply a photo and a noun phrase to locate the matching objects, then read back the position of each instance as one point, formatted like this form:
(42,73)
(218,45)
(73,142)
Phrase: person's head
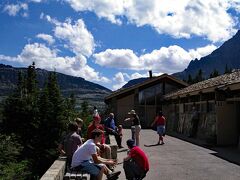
(96,120)
(111,115)
(72,126)
(96,135)
(132,113)
(130,143)
(160,113)
(119,126)
(94,107)
(79,122)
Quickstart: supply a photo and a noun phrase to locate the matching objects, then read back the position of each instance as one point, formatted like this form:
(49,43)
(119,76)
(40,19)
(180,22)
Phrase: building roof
(146,82)
(208,85)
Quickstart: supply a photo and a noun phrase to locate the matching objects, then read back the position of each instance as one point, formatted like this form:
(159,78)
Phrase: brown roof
(149,80)
(208,85)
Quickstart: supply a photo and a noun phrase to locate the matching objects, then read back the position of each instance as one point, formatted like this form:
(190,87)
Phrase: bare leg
(137,136)
(99,177)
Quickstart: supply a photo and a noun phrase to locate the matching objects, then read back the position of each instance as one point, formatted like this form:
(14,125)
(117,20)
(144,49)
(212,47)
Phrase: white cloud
(165,60)
(202,51)
(47,58)
(46,37)
(77,38)
(177,18)
(14,9)
(117,58)
(36,1)
(119,80)
(108,9)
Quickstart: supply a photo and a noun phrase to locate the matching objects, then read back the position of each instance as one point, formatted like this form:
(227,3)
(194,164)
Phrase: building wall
(227,129)
(179,120)
(124,105)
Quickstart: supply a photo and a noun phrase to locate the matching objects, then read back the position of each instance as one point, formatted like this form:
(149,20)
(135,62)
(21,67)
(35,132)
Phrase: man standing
(111,128)
(87,159)
(136,164)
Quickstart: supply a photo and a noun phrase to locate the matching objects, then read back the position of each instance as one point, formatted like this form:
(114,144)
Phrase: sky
(110,42)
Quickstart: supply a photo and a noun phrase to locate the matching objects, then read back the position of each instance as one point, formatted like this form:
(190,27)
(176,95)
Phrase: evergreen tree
(199,76)
(190,80)
(227,70)
(215,73)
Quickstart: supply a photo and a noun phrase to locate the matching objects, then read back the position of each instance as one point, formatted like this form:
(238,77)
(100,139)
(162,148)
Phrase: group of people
(94,155)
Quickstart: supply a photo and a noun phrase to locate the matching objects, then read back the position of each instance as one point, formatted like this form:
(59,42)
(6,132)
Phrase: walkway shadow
(227,153)
(150,145)
(230,154)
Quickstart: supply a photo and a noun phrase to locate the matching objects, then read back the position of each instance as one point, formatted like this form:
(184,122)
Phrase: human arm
(154,122)
(61,150)
(97,159)
(127,119)
(127,158)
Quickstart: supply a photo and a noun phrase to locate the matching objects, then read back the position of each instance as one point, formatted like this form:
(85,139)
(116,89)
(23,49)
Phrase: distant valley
(83,90)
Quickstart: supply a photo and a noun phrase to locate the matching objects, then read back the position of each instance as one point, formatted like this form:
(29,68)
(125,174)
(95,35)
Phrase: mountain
(227,54)
(133,82)
(83,90)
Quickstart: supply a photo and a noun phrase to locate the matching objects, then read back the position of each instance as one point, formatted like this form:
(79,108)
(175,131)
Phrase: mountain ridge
(83,89)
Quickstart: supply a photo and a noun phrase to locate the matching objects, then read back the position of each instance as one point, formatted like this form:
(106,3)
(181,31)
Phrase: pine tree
(215,73)
(227,70)
(190,80)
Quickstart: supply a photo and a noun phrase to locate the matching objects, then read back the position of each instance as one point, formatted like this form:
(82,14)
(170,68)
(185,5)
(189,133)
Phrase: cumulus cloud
(117,58)
(78,39)
(14,9)
(119,80)
(47,58)
(46,37)
(36,1)
(109,9)
(176,18)
(164,60)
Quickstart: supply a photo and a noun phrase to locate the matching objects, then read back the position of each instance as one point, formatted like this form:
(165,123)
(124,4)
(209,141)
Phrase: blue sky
(110,42)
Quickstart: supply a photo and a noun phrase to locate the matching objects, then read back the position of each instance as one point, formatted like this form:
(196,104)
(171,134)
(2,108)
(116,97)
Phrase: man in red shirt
(105,150)
(136,164)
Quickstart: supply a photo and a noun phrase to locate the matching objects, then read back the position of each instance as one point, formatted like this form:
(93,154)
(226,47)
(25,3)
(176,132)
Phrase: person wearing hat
(136,164)
(135,126)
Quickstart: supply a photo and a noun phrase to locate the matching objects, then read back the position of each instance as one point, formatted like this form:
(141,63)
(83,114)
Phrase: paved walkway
(180,160)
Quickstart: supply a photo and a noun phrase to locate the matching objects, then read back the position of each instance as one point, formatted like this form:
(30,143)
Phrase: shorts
(91,168)
(161,130)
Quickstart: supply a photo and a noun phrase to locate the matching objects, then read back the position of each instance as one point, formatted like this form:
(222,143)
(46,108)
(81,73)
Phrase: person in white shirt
(87,159)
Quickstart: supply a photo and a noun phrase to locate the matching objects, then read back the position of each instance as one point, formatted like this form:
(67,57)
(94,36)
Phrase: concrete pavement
(180,160)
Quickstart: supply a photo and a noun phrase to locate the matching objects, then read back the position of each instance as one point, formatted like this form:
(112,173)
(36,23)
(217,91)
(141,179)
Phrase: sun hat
(132,112)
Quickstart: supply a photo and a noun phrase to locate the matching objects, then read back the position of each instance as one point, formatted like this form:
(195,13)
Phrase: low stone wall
(56,171)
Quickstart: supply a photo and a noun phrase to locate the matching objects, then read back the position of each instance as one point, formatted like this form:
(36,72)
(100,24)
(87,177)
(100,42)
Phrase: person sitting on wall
(136,164)
(104,149)
(70,143)
(85,158)
(111,129)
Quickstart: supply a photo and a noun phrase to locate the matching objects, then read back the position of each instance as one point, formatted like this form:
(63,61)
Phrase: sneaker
(113,175)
